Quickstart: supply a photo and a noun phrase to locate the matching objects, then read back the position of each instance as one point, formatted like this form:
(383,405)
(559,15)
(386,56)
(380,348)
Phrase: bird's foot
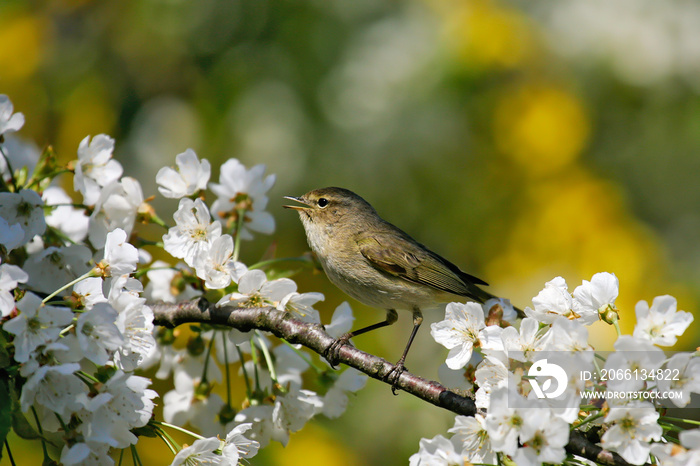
(394,375)
(332,354)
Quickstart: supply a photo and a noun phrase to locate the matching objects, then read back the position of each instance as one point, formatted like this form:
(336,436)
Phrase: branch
(313,336)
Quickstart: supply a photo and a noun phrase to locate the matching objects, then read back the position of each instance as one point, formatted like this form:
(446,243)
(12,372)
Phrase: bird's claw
(394,375)
(332,354)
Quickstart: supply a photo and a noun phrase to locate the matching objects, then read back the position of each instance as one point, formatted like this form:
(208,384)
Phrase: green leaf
(5,359)
(145,431)
(21,426)
(5,413)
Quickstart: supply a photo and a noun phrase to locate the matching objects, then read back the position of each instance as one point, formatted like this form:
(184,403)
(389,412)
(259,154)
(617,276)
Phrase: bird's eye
(323,202)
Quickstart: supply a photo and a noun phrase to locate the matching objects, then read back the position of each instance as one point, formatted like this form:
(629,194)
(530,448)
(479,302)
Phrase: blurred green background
(521,140)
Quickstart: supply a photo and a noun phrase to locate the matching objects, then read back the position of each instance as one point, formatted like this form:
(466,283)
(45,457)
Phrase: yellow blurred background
(521,140)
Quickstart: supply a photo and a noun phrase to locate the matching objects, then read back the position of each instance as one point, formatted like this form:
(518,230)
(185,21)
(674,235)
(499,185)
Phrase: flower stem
(587,420)
(35,180)
(172,445)
(263,264)
(268,358)
(677,419)
(91,273)
(158,221)
(178,428)
(135,456)
(87,376)
(207,357)
(47,460)
(10,171)
(254,357)
(228,371)
(237,241)
(305,357)
(9,453)
(248,388)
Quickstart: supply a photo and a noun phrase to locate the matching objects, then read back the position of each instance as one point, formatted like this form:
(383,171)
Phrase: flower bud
(609,314)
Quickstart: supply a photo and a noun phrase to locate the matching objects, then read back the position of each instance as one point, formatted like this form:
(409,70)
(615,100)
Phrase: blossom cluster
(498,358)
(79,331)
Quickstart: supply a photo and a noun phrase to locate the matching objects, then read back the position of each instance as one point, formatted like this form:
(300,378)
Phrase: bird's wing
(405,259)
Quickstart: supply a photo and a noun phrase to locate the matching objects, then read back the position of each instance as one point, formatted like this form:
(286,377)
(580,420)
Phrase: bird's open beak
(296,207)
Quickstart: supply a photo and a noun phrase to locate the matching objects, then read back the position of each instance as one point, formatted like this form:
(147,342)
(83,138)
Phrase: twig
(315,338)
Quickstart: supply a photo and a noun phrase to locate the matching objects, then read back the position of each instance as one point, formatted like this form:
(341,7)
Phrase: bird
(378,264)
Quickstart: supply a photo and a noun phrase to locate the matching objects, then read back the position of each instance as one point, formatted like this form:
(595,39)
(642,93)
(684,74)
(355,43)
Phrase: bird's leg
(395,373)
(331,354)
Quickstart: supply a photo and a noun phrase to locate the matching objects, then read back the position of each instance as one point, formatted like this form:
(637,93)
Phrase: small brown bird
(378,264)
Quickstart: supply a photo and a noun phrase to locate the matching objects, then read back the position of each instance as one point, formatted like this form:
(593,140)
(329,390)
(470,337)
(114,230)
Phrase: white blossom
(204,414)
(553,301)
(89,292)
(122,403)
(341,321)
(507,420)
(201,452)
(193,232)
(570,336)
(26,209)
(634,426)
(98,334)
(294,409)
(11,236)
(216,265)
(10,276)
(187,375)
(661,324)
(524,345)
(9,122)
(544,441)
(459,332)
(632,354)
(67,219)
(35,325)
(191,176)
(593,298)
(135,323)
(470,434)
(117,207)
(76,454)
(55,388)
(95,167)
(162,287)
(19,154)
(53,267)
(237,446)
(243,190)
(290,365)
(120,257)
(301,304)
(254,290)
(491,374)
(437,451)
(64,350)
(335,401)
(459,379)
(263,429)
(684,371)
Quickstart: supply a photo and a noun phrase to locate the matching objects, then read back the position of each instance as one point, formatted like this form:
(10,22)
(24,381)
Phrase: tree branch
(313,336)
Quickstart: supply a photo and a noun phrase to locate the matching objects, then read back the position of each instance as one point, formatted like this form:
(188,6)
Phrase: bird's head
(331,206)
